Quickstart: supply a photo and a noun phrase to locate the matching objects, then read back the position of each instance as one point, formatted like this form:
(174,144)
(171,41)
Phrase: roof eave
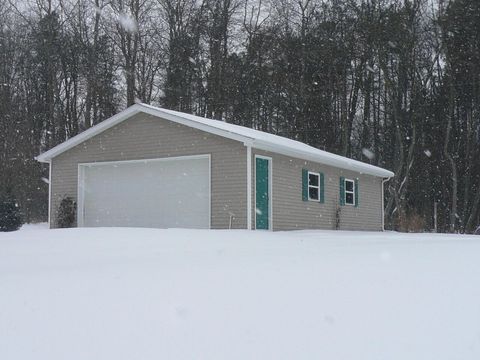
(196,125)
(350,164)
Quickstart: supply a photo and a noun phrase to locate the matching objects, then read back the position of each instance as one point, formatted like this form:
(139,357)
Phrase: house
(152,167)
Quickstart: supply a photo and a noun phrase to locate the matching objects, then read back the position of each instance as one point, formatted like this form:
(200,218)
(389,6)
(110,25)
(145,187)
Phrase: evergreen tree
(10,216)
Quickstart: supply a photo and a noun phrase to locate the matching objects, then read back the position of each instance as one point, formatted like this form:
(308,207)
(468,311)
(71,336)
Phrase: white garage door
(158,193)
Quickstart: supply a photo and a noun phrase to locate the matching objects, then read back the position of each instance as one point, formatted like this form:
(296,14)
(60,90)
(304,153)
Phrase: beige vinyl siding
(147,137)
(290,212)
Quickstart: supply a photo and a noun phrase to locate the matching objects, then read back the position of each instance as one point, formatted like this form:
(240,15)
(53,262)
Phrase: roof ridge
(241,128)
(249,136)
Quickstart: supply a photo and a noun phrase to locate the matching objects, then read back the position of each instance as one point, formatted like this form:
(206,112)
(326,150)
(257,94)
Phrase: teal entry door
(262,193)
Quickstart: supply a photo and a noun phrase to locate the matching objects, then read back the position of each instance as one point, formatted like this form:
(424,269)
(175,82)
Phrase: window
(313,186)
(349,192)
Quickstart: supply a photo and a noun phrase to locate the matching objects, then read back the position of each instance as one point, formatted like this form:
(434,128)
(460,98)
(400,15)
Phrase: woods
(395,83)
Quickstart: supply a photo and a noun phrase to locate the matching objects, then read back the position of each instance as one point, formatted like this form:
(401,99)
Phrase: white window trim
(313,186)
(349,192)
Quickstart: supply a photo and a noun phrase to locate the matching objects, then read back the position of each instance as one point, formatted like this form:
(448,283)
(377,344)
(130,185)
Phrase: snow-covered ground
(183,294)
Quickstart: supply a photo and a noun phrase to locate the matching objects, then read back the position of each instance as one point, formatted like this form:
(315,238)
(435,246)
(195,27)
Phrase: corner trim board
(384,180)
(249,187)
(50,194)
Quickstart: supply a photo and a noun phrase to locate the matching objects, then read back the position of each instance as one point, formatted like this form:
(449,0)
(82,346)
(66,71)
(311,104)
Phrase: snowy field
(183,294)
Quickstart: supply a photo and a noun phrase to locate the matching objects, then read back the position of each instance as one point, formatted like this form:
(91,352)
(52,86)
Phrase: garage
(160,193)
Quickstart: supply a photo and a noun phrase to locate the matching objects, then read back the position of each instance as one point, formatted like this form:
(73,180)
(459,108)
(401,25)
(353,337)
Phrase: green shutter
(322,188)
(342,191)
(356,192)
(262,200)
(304,184)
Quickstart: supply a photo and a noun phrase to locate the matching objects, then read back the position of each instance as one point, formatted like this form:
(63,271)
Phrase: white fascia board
(330,159)
(132,110)
(195,125)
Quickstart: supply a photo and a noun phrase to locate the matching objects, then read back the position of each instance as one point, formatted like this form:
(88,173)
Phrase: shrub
(413,223)
(66,214)
(10,216)
(338,213)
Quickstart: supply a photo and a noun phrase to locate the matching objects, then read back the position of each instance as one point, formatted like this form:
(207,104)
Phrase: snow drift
(194,294)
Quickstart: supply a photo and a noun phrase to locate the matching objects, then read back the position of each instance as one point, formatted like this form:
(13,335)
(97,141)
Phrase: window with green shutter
(313,184)
(348,192)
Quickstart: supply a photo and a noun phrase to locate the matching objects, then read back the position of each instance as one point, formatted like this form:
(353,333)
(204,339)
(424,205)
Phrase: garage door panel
(154,193)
